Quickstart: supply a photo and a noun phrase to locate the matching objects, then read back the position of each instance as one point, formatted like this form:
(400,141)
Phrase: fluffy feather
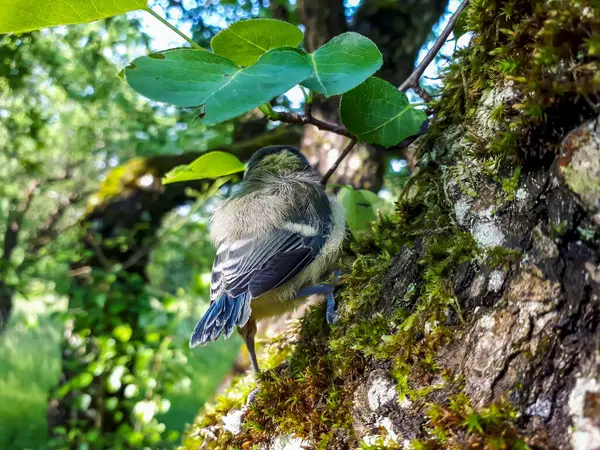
(279,233)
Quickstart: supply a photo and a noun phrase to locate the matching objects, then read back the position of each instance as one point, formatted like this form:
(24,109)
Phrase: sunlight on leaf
(211,165)
(360,205)
(193,78)
(377,113)
(342,64)
(247,40)
(18,16)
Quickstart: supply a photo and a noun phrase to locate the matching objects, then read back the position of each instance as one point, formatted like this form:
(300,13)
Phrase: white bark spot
(381,392)
(541,408)
(232,422)
(487,234)
(461,209)
(496,280)
(584,434)
(386,423)
(286,442)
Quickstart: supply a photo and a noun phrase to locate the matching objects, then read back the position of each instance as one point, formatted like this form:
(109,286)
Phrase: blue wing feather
(249,267)
(221,318)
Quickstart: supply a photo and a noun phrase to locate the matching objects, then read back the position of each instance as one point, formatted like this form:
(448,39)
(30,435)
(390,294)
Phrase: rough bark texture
(481,331)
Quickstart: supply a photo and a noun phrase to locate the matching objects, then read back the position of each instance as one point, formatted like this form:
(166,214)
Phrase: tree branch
(338,161)
(308,119)
(97,250)
(413,79)
(49,230)
(15,219)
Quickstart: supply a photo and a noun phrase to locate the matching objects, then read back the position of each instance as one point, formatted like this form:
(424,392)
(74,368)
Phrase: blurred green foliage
(29,367)
(66,121)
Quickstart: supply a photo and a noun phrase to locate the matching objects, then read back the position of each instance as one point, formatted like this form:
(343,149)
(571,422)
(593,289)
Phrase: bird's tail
(222,316)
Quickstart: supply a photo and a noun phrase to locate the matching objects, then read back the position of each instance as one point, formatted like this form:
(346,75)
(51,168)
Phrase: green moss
(558,230)
(456,424)
(502,257)
(120,181)
(511,184)
(546,51)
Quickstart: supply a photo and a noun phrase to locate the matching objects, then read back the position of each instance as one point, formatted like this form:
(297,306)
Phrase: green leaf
(245,41)
(82,380)
(83,402)
(210,165)
(18,16)
(111,403)
(360,206)
(122,332)
(377,113)
(342,64)
(194,78)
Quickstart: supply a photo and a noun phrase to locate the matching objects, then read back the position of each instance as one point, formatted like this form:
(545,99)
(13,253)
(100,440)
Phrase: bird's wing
(258,264)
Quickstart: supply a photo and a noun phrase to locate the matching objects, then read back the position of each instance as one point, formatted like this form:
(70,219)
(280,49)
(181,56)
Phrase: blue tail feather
(222,316)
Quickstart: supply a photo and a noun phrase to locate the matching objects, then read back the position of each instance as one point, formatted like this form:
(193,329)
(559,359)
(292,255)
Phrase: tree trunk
(481,331)
(18,209)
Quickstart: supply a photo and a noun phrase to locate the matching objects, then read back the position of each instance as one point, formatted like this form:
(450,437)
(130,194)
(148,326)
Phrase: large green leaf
(17,16)
(360,206)
(377,113)
(342,64)
(211,165)
(245,41)
(185,77)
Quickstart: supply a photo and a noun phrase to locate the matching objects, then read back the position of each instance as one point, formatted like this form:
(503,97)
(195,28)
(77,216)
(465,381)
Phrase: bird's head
(278,160)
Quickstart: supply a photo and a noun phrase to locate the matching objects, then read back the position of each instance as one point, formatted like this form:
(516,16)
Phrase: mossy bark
(469,318)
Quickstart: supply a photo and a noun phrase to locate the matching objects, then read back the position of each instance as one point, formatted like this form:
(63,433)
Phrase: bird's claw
(331,314)
(332,317)
(251,397)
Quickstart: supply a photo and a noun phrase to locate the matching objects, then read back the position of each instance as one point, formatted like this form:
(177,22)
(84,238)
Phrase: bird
(276,238)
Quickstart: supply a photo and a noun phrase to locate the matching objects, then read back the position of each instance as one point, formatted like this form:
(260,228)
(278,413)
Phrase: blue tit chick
(275,239)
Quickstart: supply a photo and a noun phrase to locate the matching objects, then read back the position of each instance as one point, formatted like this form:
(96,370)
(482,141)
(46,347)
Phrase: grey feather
(221,318)
(275,227)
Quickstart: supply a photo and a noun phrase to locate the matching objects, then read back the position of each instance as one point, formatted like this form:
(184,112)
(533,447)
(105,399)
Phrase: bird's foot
(331,314)
(327,289)
(251,397)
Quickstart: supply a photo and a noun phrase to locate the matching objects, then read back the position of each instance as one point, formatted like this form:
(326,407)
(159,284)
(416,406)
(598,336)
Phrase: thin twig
(421,92)
(411,82)
(299,119)
(97,250)
(192,43)
(413,79)
(338,161)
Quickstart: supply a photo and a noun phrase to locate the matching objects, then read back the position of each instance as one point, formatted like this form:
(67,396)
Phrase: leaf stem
(268,111)
(338,161)
(192,43)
